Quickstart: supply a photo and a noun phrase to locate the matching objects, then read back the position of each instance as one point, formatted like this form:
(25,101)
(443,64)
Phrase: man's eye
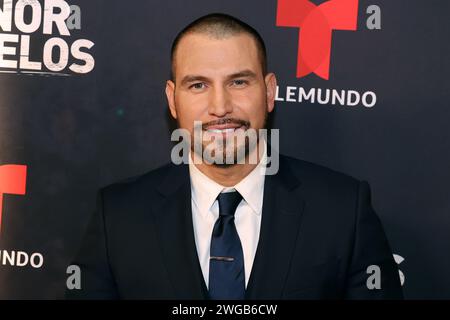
(197,86)
(239,83)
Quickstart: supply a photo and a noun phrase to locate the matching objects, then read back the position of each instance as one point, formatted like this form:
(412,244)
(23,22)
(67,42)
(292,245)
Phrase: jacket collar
(281,218)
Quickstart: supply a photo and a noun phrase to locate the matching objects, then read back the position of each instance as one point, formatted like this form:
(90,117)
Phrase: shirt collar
(205,190)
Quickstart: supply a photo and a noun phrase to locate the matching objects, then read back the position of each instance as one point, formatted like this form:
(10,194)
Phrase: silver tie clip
(228,259)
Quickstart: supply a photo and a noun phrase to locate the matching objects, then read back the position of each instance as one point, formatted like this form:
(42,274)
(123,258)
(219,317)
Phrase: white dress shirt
(205,212)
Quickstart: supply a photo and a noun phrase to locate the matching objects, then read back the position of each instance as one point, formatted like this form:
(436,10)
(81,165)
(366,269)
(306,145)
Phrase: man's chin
(225,158)
(223,165)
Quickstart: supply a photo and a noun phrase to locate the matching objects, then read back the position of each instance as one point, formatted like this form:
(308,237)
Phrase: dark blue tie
(226,264)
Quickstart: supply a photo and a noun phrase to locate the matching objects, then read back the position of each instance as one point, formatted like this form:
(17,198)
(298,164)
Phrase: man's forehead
(197,38)
(230,54)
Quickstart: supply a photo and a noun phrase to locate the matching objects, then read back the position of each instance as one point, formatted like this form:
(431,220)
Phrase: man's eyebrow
(240,74)
(193,78)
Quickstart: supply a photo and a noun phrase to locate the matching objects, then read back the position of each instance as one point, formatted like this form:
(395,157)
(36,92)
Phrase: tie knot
(228,202)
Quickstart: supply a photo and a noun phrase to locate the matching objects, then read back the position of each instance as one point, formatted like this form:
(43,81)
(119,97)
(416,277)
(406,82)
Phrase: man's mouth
(225,126)
(224,129)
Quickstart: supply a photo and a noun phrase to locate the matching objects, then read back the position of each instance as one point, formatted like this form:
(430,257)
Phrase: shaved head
(220,26)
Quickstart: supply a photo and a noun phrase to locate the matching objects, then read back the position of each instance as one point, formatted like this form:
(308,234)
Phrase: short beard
(239,153)
(249,148)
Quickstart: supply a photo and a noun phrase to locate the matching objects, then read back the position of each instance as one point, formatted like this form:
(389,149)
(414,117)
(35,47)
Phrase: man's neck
(231,175)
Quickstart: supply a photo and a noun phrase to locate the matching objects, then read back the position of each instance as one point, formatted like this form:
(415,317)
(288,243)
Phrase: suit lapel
(281,218)
(174,223)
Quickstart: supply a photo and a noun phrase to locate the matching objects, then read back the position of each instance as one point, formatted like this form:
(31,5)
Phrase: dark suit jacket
(318,235)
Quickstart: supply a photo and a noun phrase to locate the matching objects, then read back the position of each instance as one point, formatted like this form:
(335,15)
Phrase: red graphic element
(13,179)
(316,23)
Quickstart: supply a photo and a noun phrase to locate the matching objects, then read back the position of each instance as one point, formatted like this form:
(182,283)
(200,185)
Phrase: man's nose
(219,102)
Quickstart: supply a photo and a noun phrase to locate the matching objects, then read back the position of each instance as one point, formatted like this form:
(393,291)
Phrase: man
(215,230)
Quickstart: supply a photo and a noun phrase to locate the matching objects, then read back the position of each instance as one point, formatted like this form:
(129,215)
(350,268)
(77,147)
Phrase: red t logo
(316,25)
(13,181)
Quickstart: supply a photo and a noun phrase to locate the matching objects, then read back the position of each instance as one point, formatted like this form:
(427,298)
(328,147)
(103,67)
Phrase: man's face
(220,82)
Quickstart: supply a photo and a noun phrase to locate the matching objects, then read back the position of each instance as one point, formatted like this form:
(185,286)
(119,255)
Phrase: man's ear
(271,88)
(170,94)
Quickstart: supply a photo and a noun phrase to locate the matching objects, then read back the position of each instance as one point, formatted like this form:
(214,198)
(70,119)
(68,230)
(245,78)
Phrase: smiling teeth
(221,130)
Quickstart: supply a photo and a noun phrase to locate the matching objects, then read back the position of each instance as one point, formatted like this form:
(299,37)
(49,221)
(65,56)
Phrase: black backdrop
(77,132)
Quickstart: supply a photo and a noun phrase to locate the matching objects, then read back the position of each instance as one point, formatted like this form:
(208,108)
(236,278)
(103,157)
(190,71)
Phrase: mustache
(239,122)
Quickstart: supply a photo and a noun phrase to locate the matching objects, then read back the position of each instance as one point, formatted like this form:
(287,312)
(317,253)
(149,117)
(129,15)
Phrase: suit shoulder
(146,180)
(309,171)
(326,188)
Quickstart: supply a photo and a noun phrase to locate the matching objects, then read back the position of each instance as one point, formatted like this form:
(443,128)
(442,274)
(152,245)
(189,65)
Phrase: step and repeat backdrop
(362,88)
